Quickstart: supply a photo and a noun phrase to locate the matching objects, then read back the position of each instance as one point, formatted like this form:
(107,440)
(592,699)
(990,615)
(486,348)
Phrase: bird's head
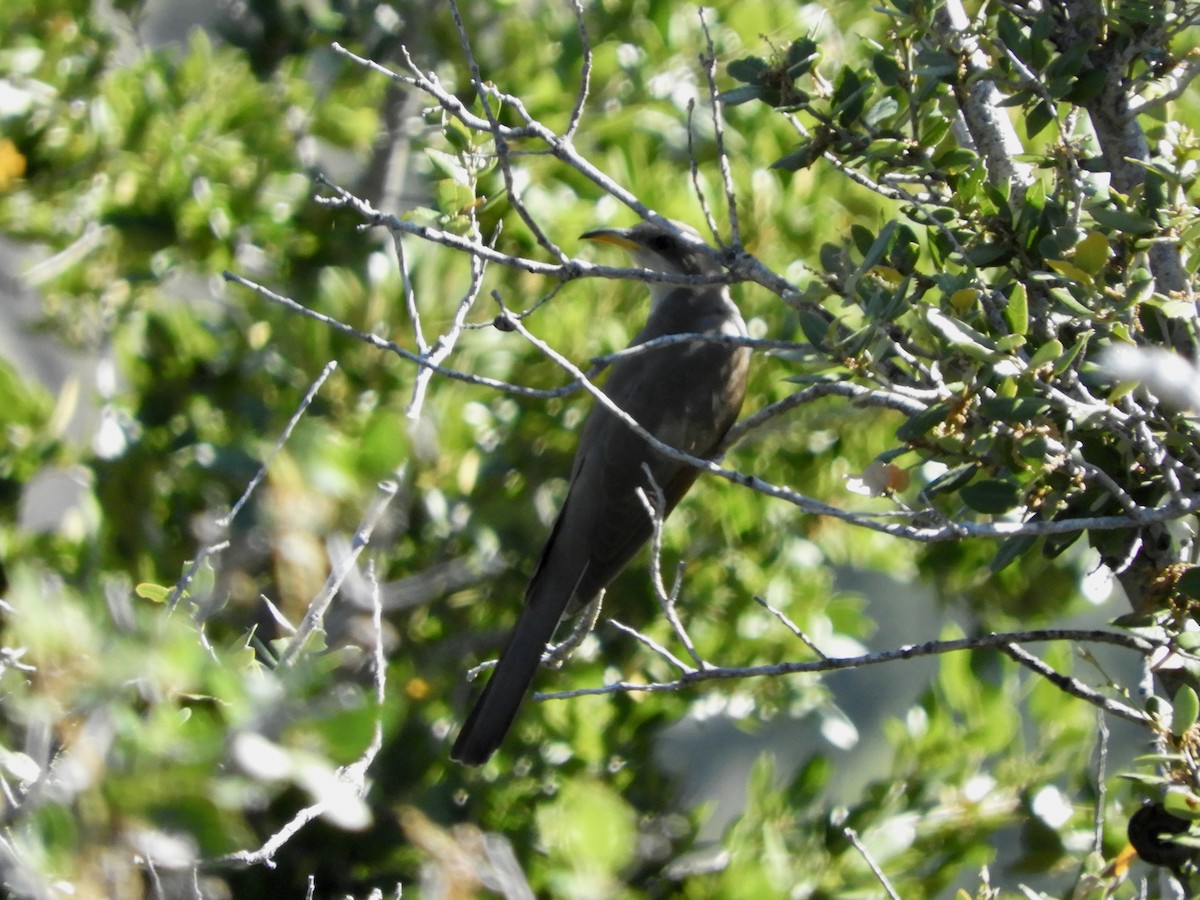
(653,246)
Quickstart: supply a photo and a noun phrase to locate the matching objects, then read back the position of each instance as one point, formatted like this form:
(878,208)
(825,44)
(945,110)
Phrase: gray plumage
(687,395)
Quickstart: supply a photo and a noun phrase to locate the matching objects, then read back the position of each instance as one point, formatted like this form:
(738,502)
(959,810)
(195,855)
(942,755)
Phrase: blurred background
(145,148)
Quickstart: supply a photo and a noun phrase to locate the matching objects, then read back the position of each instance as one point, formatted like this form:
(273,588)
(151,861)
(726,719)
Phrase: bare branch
(1073,687)
(852,837)
(1002,642)
(384,492)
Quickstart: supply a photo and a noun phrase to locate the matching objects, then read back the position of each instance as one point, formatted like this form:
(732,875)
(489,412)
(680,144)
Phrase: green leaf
(988,254)
(936,64)
(1065,361)
(849,97)
(1185,710)
(881,110)
(832,257)
(1038,118)
(952,480)
(887,70)
(1087,86)
(934,128)
(801,158)
(1013,409)
(1071,271)
(1181,802)
(991,495)
(447,166)
(878,246)
(749,69)
(1011,35)
(1141,288)
(956,159)
(1091,254)
(800,56)
(1188,583)
(1010,551)
(743,94)
(814,327)
(1123,220)
(1065,298)
(920,424)
(155,593)
(961,336)
(1178,309)
(862,238)
(1048,352)
(1016,311)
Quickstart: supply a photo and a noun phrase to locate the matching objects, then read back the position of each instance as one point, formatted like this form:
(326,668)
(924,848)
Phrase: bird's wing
(613,459)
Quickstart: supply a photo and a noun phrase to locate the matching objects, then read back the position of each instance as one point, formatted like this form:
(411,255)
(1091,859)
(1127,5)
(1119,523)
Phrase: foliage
(942,307)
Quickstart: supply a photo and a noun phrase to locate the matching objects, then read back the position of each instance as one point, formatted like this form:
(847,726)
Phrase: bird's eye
(661,243)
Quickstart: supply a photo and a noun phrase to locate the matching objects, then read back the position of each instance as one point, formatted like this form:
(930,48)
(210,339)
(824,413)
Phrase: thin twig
(666,599)
(648,642)
(1073,686)
(314,616)
(305,403)
(852,837)
(910,651)
(708,62)
(790,626)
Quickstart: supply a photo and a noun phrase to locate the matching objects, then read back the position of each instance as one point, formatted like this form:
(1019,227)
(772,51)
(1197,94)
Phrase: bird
(685,394)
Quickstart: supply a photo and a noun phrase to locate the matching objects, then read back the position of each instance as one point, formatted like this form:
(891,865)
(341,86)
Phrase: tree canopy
(313,275)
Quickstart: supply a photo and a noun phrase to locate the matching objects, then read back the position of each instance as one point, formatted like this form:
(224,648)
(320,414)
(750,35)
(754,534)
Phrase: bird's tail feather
(494,711)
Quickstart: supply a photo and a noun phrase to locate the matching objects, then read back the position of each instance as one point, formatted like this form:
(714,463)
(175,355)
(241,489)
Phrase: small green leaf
(1012,409)
(1087,86)
(881,111)
(1071,271)
(1067,299)
(936,64)
(933,129)
(1010,551)
(1091,254)
(743,94)
(988,254)
(1141,288)
(815,327)
(832,257)
(800,56)
(1188,641)
(962,337)
(1178,309)
(1123,220)
(991,495)
(878,246)
(887,70)
(1188,583)
(957,159)
(447,166)
(1065,361)
(1011,34)
(155,593)
(1185,709)
(1181,802)
(800,158)
(748,69)
(952,480)
(1016,312)
(1047,353)
(920,424)
(1038,118)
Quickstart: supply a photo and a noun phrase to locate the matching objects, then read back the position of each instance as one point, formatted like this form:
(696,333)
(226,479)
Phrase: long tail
(494,711)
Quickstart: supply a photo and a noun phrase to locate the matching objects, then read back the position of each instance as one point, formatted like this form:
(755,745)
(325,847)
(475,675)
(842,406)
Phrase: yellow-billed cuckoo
(687,395)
